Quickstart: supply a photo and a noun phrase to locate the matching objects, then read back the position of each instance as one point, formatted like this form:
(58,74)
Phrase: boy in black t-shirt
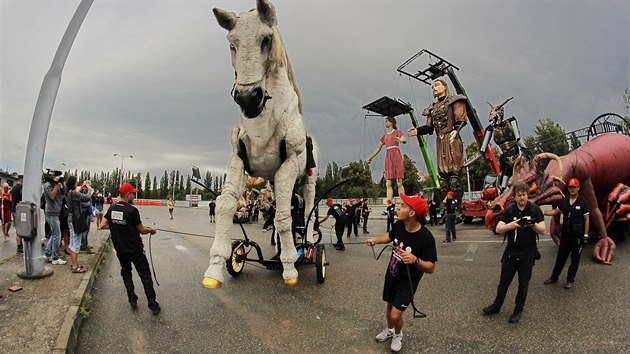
(414,252)
(125,226)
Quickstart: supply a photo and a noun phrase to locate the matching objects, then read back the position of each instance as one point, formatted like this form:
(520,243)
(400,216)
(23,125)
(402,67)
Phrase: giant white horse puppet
(270,141)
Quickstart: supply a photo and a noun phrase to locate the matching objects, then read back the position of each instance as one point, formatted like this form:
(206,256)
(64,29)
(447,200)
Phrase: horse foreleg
(284,181)
(309,192)
(227,204)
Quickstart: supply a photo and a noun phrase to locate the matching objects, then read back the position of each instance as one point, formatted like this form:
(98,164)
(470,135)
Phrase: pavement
(45,315)
(340,315)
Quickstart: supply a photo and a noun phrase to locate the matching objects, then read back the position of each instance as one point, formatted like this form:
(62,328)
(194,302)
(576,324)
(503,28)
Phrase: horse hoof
(210,283)
(291,282)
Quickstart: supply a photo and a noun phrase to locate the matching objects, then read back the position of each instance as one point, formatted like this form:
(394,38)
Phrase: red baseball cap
(416,202)
(389,201)
(450,194)
(328,200)
(126,189)
(573,182)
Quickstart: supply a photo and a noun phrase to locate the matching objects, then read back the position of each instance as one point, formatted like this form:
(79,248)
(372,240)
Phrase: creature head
(542,186)
(496,112)
(257,49)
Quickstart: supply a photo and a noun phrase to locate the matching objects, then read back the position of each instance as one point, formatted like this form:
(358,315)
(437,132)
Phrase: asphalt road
(257,313)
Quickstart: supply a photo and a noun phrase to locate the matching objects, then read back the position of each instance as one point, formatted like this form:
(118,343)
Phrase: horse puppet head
(257,52)
(542,186)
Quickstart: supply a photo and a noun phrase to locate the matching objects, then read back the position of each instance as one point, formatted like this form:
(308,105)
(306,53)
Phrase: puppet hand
(452,137)
(412,132)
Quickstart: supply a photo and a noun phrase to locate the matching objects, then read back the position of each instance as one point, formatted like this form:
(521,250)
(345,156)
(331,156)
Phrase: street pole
(173,186)
(34,160)
(122,164)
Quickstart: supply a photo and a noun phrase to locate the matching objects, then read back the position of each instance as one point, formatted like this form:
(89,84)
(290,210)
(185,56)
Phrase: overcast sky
(152,78)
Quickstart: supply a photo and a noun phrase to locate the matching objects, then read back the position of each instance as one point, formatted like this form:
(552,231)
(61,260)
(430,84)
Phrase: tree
(551,136)
(575,142)
(411,183)
(147,186)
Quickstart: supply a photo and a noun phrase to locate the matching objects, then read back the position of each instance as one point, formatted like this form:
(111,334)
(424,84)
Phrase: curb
(68,336)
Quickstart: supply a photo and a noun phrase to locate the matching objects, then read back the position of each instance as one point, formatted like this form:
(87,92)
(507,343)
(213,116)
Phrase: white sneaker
(396,345)
(59,262)
(384,335)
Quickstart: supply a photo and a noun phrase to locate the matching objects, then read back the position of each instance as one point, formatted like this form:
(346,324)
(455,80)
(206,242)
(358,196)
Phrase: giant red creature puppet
(601,165)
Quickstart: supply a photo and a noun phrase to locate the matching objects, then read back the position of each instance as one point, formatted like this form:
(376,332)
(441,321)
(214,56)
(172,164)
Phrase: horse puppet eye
(266,43)
(232,47)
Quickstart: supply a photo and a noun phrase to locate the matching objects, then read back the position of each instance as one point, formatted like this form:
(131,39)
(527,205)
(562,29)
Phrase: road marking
(470,253)
(181,248)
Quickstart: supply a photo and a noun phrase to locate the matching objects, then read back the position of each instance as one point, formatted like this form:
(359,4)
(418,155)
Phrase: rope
(151,258)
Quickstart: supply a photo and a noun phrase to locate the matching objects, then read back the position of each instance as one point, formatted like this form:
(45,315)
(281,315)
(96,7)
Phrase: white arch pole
(34,162)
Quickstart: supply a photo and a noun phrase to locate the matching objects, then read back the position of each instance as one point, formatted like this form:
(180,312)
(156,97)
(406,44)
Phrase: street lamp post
(122,161)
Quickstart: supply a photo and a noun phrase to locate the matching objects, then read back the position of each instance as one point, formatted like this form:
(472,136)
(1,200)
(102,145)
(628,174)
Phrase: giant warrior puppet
(446,117)
(270,141)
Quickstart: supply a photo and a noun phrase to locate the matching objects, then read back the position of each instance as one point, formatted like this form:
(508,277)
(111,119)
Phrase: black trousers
(390,223)
(365,219)
(568,246)
(339,228)
(352,223)
(450,227)
(433,217)
(509,268)
(139,260)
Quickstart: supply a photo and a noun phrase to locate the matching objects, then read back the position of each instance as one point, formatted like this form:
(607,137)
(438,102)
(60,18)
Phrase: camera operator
(575,227)
(53,193)
(520,222)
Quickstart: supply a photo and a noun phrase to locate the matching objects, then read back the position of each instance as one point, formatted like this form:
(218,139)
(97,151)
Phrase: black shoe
(491,310)
(273,243)
(516,316)
(550,281)
(134,304)
(155,309)
(568,285)
(446,241)
(19,249)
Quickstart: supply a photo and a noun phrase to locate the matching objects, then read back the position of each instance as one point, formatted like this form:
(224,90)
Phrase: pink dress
(394,167)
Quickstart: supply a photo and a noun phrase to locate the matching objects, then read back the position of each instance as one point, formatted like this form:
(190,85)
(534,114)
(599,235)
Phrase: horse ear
(225,19)
(267,12)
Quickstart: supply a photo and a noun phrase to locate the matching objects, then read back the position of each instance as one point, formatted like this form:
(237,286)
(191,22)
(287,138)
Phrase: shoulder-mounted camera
(49,176)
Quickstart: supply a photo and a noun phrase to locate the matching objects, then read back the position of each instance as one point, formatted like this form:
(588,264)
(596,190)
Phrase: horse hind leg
(284,181)
(309,183)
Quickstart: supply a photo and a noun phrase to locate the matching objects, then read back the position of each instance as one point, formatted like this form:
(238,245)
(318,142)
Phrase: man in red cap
(575,226)
(450,206)
(414,246)
(125,224)
(336,211)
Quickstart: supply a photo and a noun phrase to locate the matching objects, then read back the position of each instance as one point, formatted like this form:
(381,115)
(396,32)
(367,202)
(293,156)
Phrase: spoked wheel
(320,263)
(236,262)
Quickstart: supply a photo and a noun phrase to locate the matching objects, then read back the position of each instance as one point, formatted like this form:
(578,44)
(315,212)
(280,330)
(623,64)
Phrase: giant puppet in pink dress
(394,167)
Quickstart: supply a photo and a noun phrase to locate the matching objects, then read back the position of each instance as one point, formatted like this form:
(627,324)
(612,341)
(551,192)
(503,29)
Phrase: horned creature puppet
(270,141)
(601,165)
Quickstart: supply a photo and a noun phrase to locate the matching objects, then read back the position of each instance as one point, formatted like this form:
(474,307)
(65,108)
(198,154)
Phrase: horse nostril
(257,94)
(497,209)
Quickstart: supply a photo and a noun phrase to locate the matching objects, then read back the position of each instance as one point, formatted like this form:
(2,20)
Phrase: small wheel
(236,262)
(468,219)
(320,263)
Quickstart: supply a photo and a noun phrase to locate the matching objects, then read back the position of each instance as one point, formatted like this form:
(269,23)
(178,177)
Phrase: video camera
(49,176)
(526,221)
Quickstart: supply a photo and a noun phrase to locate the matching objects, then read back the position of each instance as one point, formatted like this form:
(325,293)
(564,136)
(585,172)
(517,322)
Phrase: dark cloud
(152,79)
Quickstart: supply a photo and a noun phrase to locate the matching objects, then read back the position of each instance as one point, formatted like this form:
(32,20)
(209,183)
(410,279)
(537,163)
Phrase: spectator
(76,219)
(432,211)
(351,217)
(53,194)
(86,208)
(171,206)
(16,197)
(390,214)
(98,202)
(5,210)
(211,209)
(450,205)
(366,213)
(271,215)
(123,219)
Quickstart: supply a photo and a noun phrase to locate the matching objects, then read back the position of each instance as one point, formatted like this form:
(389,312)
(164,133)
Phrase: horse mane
(279,58)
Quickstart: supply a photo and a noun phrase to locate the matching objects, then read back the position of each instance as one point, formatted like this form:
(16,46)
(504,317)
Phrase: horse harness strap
(310,160)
